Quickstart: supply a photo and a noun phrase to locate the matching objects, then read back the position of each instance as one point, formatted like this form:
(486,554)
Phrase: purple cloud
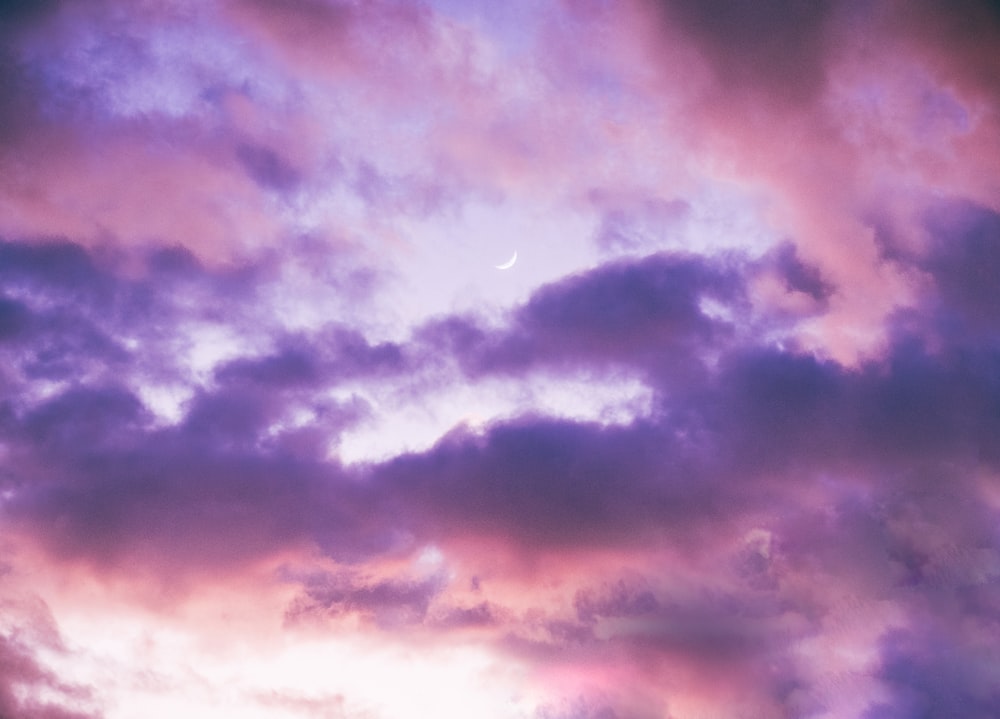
(218,219)
(776,47)
(29,689)
(932,672)
(387,602)
(267,168)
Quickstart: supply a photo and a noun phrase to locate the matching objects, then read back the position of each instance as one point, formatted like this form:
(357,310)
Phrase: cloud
(642,313)
(326,706)
(215,219)
(799,276)
(775,48)
(955,38)
(580,709)
(267,168)
(29,689)
(618,599)
(930,671)
(725,408)
(393,602)
(542,484)
(19,671)
(203,495)
(633,224)
(331,354)
(963,258)
(479,615)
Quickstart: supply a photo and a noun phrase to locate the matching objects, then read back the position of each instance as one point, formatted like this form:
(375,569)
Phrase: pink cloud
(785,234)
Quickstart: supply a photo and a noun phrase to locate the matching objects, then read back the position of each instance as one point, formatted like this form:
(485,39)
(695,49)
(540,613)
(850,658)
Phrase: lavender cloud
(642,313)
(758,412)
(28,688)
(19,670)
(930,672)
(388,602)
(209,214)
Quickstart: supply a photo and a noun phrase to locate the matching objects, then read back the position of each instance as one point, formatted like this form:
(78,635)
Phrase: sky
(281,439)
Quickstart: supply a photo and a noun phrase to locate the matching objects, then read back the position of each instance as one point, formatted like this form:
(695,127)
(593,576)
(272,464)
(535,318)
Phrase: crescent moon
(509,263)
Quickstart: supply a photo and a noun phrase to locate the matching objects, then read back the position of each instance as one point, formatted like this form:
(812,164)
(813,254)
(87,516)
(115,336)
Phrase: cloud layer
(722,443)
